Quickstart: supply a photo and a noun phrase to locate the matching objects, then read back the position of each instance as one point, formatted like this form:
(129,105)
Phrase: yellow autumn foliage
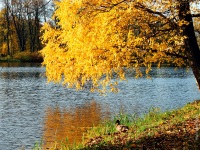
(95,40)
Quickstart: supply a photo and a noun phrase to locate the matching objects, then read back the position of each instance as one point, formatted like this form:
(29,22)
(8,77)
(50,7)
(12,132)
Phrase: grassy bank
(23,57)
(176,129)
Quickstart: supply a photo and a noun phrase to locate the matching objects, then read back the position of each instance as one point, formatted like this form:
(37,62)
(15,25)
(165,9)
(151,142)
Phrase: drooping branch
(161,14)
(141,6)
(102,8)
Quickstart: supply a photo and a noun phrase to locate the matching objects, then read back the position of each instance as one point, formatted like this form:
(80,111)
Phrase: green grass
(150,120)
(150,125)
(28,57)
(23,57)
(59,146)
(108,127)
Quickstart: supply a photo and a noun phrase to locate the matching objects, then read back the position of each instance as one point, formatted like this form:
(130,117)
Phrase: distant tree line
(20,23)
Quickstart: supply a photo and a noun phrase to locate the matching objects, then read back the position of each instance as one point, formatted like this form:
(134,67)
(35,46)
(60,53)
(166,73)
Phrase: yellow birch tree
(96,40)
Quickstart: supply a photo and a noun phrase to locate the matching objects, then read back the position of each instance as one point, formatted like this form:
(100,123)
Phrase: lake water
(32,109)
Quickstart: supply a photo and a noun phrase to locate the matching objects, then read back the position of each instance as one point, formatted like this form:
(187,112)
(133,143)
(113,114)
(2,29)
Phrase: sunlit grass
(149,124)
(108,127)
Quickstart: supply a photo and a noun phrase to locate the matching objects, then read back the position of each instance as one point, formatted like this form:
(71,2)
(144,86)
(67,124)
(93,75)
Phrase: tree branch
(197,31)
(195,15)
(144,8)
(112,5)
(172,54)
(39,8)
(139,5)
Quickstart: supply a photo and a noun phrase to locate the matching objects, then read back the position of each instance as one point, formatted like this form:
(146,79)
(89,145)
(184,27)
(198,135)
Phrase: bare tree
(26,16)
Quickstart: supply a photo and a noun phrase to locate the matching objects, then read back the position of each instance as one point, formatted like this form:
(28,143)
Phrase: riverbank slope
(176,129)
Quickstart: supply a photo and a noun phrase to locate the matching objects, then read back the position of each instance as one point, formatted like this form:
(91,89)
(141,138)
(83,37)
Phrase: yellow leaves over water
(94,39)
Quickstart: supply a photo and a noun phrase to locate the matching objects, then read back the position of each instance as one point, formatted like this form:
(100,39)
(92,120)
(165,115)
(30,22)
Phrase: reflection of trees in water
(20,75)
(60,125)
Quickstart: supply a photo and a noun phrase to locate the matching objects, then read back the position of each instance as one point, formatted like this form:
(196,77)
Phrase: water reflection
(18,75)
(68,126)
(25,96)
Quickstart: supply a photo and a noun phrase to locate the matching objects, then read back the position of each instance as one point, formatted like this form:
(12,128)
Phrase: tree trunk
(31,34)
(37,28)
(21,32)
(8,28)
(192,48)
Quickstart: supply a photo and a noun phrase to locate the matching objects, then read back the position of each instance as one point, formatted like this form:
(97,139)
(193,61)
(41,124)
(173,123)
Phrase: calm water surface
(32,109)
